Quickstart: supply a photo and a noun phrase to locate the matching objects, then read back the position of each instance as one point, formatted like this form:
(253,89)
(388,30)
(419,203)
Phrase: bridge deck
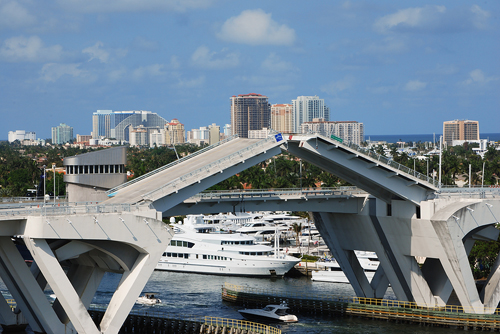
(134,192)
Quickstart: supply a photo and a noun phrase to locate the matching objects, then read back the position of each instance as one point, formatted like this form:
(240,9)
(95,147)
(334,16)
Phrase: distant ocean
(422,138)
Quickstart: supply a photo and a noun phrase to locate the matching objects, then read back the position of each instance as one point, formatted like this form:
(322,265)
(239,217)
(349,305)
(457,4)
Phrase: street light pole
(54,180)
(44,183)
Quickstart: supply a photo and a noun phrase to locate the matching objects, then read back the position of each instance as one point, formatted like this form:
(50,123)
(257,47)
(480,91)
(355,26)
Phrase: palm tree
(297,229)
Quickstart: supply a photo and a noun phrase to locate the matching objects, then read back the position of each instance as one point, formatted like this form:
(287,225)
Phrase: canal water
(193,294)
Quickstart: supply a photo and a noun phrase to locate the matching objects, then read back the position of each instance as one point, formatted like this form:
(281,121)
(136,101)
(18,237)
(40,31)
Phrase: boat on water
(333,273)
(202,248)
(149,298)
(270,313)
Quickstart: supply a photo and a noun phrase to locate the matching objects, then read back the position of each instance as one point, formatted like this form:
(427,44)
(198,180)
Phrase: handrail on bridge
(345,191)
(207,168)
(187,157)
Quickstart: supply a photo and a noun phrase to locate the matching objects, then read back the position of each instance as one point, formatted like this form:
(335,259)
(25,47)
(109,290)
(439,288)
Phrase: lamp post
(54,180)
(44,183)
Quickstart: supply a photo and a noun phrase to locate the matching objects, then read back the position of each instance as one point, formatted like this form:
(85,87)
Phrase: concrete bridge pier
(71,254)
(441,231)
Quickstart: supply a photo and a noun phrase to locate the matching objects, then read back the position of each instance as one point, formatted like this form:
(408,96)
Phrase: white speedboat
(270,313)
(200,248)
(333,273)
(149,298)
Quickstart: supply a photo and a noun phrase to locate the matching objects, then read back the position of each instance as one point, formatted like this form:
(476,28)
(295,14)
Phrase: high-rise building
(281,118)
(306,108)
(214,134)
(62,134)
(115,124)
(460,130)
(175,132)
(138,136)
(249,112)
(349,131)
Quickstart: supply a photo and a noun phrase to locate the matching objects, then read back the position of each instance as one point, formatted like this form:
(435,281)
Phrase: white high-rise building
(21,135)
(306,108)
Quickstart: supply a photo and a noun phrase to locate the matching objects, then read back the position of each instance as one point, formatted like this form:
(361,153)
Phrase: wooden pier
(158,323)
(389,310)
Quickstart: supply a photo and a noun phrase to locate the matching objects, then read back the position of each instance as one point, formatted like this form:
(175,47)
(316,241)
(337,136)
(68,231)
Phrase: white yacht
(200,248)
(332,272)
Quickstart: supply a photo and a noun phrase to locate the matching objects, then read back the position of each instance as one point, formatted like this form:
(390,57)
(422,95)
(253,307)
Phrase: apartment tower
(281,118)
(460,130)
(306,108)
(249,112)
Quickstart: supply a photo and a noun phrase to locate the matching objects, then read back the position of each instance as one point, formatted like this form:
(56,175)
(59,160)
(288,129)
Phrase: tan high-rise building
(213,134)
(175,133)
(249,112)
(460,130)
(281,117)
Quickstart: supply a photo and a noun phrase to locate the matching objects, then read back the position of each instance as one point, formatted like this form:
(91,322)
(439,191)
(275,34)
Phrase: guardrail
(387,161)
(207,168)
(176,162)
(70,209)
(260,193)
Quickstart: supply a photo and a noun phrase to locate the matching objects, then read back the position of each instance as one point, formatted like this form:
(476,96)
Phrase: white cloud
(52,71)
(96,52)
(410,18)
(13,15)
(99,6)
(31,49)
(335,87)
(275,64)
(150,71)
(477,77)
(415,85)
(433,19)
(255,27)
(203,58)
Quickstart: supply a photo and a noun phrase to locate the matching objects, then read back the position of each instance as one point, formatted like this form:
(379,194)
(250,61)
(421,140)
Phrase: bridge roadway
(401,215)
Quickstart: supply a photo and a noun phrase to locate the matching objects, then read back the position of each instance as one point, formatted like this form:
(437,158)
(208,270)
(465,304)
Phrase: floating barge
(383,309)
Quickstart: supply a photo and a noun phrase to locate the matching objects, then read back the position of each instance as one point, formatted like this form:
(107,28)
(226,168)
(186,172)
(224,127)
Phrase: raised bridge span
(396,212)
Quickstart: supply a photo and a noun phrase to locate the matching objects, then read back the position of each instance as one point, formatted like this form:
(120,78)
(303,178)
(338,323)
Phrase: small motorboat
(149,298)
(270,313)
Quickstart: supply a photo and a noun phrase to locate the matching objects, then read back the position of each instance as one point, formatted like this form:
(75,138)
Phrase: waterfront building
(259,134)
(306,108)
(281,118)
(62,134)
(85,139)
(460,130)
(227,130)
(138,136)
(175,133)
(21,135)
(214,134)
(115,124)
(349,131)
(249,112)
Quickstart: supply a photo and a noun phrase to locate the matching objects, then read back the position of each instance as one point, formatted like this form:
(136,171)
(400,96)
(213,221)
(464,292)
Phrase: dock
(383,309)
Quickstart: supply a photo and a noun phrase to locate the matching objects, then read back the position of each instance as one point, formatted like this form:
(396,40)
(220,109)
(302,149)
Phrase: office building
(249,112)
(21,135)
(116,124)
(306,108)
(62,134)
(348,131)
(460,130)
(281,118)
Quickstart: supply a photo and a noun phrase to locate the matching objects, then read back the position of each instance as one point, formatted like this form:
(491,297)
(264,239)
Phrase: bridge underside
(71,254)
(443,237)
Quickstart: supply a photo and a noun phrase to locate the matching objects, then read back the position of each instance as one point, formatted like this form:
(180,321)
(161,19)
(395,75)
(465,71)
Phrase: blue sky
(399,67)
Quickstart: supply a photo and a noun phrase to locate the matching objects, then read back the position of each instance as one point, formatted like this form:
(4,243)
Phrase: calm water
(193,294)
(422,137)
(183,294)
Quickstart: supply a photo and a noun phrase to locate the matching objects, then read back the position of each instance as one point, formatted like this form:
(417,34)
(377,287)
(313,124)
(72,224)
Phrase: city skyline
(397,67)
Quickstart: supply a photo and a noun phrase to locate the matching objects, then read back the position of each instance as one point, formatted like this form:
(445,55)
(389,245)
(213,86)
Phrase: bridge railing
(259,193)
(388,161)
(68,209)
(207,168)
(176,162)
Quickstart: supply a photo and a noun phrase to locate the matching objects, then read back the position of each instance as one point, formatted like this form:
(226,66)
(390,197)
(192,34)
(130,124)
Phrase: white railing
(207,169)
(267,193)
(176,162)
(66,209)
